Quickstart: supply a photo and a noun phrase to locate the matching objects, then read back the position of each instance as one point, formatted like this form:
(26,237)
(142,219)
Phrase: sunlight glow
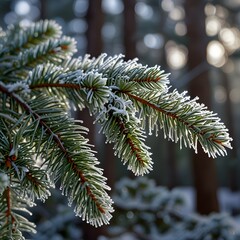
(213,25)
(177,13)
(167,5)
(152,40)
(143,10)
(210,9)
(80,7)
(22,8)
(216,54)
(176,55)
(112,7)
(230,38)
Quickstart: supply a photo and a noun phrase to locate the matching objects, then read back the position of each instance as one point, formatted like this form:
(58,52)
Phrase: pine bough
(40,144)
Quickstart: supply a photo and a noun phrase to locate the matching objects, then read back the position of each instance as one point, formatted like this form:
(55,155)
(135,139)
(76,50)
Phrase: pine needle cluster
(41,144)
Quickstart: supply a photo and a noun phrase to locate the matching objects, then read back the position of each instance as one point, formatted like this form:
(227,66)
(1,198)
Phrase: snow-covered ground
(229,201)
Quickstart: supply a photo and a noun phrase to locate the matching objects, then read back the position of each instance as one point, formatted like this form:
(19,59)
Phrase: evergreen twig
(40,144)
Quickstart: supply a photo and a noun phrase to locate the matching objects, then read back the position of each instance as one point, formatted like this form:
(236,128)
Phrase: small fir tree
(147,211)
(40,144)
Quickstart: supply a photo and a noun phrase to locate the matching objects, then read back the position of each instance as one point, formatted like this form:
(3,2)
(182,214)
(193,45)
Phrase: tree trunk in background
(233,171)
(95,20)
(129,29)
(43,4)
(204,169)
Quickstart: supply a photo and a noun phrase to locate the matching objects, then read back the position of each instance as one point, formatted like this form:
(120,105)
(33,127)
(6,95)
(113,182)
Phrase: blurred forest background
(198,42)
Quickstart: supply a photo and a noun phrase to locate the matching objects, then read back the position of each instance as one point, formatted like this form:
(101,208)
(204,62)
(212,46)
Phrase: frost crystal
(18,86)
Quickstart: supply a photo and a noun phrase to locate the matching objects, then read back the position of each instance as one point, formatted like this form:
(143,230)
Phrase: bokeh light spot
(153,40)
(216,54)
(176,55)
(210,9)
(213,25)
(22,8)
(230,38)
(167,5)
(177,13)
(80,7)
(112,7)
(143,10)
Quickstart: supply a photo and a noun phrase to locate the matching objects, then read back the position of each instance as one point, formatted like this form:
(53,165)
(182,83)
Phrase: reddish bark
(204,170)
(129,29)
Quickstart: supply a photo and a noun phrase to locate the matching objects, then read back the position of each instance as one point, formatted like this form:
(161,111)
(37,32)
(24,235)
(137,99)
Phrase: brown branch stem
(56,85)
(132,145)
(172,115)
(57,140)
(9,207)
(60,85)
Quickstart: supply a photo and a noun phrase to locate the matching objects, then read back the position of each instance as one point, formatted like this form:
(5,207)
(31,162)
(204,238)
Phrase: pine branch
(121,127)
(24,48)
(116,70)
(185,120)
(26,37)
(40,144)
(181,119)
(53,50)
(83,89)
(12,224)
(87,179)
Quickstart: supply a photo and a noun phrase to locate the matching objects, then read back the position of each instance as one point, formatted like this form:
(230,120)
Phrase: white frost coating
(12,152)
(4,182)
(227,143)
(18,86)
(119,106)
